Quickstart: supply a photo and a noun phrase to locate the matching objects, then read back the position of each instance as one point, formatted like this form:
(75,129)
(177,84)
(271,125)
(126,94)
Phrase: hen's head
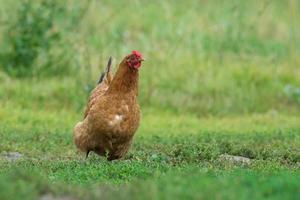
(134,60)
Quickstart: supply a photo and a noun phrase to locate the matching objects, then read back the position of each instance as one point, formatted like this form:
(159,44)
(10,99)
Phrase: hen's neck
(125,81)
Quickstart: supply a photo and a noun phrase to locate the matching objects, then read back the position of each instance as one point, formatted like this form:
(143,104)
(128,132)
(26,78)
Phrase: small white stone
(238,159)
(12,156)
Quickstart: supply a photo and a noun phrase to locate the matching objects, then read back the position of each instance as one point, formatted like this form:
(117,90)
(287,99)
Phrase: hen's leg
(112,157)
(100,151)
(87,154)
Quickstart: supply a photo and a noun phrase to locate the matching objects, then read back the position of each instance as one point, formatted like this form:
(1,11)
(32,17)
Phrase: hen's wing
(103,84)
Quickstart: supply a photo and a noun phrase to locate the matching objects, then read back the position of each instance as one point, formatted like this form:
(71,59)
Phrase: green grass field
(221,79)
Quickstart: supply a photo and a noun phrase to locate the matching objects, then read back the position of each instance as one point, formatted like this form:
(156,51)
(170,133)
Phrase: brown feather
(112,115)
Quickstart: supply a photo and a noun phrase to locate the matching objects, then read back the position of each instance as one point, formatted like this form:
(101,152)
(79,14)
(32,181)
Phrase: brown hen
(112,114)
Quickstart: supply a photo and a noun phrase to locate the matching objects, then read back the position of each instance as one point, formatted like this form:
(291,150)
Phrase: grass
(173,156)
(220,78)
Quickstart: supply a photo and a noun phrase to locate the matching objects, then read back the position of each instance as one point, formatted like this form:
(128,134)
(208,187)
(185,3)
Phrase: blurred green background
(205,57)
(220,78)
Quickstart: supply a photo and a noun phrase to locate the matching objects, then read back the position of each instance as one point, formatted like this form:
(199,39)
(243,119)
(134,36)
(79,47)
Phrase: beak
(142,59)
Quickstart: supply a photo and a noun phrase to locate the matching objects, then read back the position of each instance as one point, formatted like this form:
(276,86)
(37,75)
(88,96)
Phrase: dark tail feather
(107,70)
(108,65)
(101,78)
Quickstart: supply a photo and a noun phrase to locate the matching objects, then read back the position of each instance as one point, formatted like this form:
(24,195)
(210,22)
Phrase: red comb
(136,53)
